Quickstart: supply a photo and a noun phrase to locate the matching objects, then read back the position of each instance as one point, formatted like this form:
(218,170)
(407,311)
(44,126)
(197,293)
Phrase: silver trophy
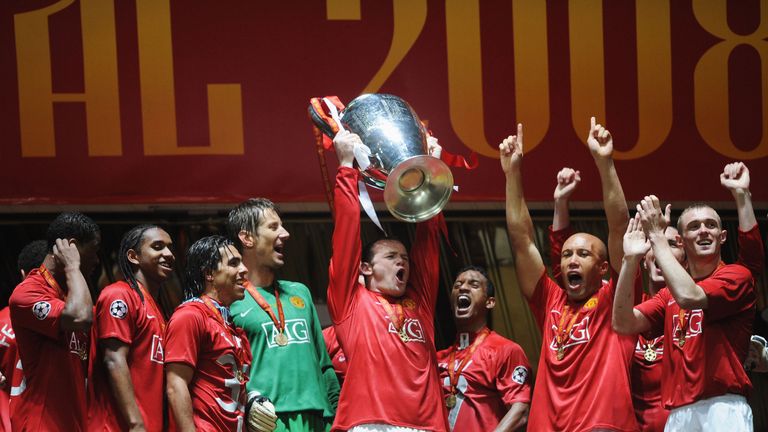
(416,186)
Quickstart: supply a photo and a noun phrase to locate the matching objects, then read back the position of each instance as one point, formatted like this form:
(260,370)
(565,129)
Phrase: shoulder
(118,291)
(734,271)
(189,311)
(31,289)
(295,288)
(499,343)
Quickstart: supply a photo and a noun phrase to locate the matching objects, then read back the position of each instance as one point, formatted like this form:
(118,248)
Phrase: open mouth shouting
(400,276)
(463,304)
(575,280)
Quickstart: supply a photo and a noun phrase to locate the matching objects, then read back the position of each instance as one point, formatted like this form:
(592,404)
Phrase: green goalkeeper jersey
(298,376)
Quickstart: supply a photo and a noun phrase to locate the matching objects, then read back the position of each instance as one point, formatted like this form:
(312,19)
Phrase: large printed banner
(153,101)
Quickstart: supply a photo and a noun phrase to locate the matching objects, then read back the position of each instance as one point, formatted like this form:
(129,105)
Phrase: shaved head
(588,241)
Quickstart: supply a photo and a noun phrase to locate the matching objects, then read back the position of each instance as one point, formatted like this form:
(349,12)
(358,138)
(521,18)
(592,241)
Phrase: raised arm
(528,261)
(735,177)
(78,308)
(682,287)
(625,318)
(567,181)
(600,144)
(345,260)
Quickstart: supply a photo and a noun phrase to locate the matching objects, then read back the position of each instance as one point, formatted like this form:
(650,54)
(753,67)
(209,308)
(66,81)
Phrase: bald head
(587,241)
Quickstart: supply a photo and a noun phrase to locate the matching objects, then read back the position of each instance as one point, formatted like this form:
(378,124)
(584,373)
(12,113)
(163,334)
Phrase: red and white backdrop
(153,101)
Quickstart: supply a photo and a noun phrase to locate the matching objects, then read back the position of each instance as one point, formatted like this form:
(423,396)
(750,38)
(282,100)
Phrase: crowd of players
(621,350)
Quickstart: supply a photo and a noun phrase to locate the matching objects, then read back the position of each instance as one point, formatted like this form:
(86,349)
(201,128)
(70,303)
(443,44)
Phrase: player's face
(702,233)
(270,240)
(583,265)
(389,268)
(229,277)
(155,258)
(469,299)
(676,245)
(89,255)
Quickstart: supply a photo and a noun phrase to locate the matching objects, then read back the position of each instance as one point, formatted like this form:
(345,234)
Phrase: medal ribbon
(151,301)
(280,324)
(563,334)
(239,351)
(49,279)
(681,320)
(452,369)
(396,315)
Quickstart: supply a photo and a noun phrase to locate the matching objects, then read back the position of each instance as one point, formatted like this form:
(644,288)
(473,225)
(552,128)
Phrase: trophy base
(418,188)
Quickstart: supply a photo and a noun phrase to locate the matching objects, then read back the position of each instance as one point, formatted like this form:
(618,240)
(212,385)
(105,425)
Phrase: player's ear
(366,269)
(490,303)
(132,256)
(246,238)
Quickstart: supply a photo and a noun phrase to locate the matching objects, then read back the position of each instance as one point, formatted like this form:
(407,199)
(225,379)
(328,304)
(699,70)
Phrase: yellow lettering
(710,79)
(654,74)
(36,96)
(465,87)
(158,103)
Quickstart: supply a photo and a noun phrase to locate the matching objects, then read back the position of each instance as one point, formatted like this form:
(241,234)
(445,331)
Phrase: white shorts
(376,427)
(729,413)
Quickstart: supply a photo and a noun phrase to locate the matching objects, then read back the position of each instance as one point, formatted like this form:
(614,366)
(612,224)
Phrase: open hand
(636,244)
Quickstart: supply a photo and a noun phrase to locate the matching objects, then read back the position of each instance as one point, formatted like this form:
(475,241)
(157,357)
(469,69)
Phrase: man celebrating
(130,327)
(386,327)
(207,359)
(583,374)
(484,375)
(51,312)
(282,325)
(705,315)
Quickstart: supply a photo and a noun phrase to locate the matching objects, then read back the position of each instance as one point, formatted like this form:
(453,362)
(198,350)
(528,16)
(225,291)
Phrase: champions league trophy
(416,186)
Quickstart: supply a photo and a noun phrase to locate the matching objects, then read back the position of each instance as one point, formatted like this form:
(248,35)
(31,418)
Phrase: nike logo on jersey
(246,312)
(150,316)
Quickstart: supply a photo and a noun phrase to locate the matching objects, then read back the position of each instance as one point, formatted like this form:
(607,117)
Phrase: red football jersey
(646,383)
(494,378)
(716,340)
(120,314)
(338,359)
(221,357)
(8,359)
(55,361)
(589,387)
(388,381)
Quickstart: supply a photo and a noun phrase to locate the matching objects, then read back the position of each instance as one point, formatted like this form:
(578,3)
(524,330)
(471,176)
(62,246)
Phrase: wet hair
(368,249)
(247,216)
(132,240)
(695,206)
(489,288)
(71,225)
(202,257)
(32,255)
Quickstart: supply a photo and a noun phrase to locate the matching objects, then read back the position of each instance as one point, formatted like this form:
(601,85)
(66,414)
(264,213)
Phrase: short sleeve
(116,313)
(538,300)
(513,381)
(35,306)
(654,310)
(729,290)
(184,336)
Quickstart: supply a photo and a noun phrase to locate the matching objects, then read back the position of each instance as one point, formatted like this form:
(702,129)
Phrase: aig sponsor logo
(693,327)
(157,354)
(412,327)
(578,335)
(6,335)
(296,330)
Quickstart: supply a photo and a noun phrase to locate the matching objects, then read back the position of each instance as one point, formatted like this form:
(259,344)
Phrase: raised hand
(511,151)
(600,141)
(636,244)
(345,143)
(735,177)
(66,254)
(567,181)
(434,149)
(651,217)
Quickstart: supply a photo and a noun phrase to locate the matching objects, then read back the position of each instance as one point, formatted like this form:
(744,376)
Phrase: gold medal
(281,339)
(650,354)
(681,341)
(403,335)
(83,354)
(560,353)
(450,401)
